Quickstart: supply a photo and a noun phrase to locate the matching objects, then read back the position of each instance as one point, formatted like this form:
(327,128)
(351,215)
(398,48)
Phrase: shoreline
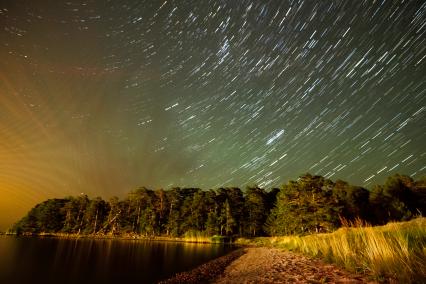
(248,263)
(398,253)
(266,265)
(272,265)
(204,240)
(207,272)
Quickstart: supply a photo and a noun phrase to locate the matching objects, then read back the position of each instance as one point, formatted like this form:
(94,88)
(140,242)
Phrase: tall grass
(197,237)
(194,236)
(396,251)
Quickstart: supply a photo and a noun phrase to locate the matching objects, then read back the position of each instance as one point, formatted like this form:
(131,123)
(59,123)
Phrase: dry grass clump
(394,251)
(197,237)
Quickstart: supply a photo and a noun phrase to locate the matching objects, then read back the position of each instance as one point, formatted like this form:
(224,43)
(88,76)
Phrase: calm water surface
(49,260)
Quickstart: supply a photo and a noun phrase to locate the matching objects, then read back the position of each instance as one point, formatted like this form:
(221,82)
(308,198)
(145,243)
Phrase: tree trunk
(96,221)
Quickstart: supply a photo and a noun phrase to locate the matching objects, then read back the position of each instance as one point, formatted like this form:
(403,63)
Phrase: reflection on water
(50,260)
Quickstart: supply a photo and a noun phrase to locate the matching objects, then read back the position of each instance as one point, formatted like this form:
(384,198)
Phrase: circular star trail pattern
(103,96)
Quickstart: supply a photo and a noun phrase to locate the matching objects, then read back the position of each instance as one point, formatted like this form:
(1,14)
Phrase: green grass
(396,251)
(197,237)
(203,237)
(189,237)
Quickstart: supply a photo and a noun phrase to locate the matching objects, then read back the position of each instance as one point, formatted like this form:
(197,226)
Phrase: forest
(310,204)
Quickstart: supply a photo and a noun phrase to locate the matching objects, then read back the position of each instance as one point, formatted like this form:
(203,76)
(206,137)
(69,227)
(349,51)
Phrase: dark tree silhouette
(310,204)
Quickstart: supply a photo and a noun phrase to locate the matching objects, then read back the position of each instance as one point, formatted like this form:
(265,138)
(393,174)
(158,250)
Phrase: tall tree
(174,197)
(95,214)
(354,200)
(227,220)
(305,206)
(112,224)
(255,211)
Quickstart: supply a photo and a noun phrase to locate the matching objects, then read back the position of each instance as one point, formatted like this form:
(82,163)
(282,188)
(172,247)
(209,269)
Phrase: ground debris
(207,272)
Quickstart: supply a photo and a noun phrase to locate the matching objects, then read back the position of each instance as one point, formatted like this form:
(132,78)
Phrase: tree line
(307,205)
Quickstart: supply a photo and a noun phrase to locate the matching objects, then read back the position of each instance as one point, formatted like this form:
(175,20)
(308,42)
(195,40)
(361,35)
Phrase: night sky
(101,97)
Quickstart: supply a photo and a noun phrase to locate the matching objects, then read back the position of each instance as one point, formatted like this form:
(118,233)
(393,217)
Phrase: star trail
(103,96)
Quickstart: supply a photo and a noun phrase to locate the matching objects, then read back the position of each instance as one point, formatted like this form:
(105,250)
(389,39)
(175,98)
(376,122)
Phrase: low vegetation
(395,251)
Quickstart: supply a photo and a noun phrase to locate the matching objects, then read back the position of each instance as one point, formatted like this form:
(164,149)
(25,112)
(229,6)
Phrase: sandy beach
(266,265)
(269,265)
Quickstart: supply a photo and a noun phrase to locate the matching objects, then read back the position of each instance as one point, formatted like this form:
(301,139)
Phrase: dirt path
(267,265)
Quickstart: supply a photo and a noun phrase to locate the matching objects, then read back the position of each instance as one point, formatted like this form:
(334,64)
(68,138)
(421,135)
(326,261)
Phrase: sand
(268,265)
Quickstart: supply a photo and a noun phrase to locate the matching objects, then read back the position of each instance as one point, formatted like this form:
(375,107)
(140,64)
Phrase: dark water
(49,260)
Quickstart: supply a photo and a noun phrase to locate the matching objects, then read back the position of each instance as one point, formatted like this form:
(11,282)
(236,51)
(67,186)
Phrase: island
(332,221)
